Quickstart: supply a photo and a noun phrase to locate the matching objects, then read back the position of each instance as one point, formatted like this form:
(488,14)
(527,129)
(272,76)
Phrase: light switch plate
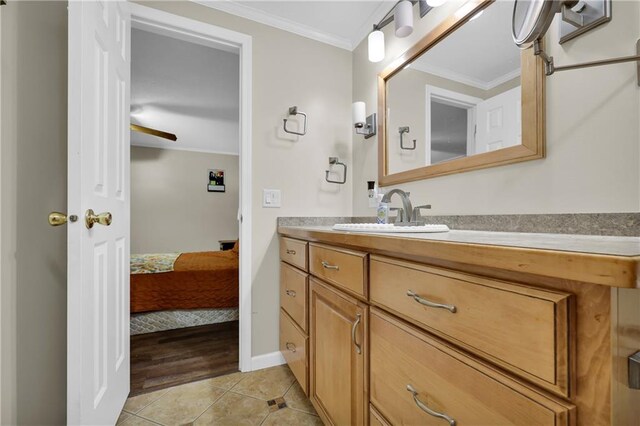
(271,198)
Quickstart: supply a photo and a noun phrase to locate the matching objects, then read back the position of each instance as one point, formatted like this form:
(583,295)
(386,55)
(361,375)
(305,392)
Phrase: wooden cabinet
(417,379)
(480,344)
(338,355)
(294,284)
(293,294)
(489,317)
(294,252)
(346,269)
(293,345)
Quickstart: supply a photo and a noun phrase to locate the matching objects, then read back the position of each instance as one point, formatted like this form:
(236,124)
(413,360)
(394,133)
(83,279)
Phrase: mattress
(203,280)
(150,322)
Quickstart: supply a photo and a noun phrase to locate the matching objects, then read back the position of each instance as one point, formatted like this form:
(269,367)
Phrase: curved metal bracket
(336,161)
(294,111)
(402,131)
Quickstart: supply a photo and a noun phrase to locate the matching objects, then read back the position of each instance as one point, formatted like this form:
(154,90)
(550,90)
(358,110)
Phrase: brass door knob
(103,218)
(57,218)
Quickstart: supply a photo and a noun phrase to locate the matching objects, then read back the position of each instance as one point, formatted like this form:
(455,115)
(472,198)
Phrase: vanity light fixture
(403,18)
(364,125)
(402,14)
(376,45)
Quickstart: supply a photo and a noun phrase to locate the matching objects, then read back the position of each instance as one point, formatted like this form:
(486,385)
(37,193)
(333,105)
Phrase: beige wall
(33,155)
(592,133)
(288,70)
(171,210)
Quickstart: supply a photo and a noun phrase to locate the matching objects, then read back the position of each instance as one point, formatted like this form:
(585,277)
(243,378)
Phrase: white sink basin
(390,228)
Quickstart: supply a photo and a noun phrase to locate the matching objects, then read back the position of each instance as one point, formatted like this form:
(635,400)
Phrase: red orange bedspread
(198,280)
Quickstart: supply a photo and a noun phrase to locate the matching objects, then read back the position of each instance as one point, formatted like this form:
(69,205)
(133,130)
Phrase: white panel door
(499,121)
(98,258)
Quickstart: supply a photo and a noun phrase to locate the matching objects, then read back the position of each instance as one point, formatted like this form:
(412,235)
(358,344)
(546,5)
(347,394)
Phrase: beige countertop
(593,244)
(611,261)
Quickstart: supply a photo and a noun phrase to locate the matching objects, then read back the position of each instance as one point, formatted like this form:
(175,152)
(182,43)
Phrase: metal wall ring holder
(402,131)
(335,161)
(294,111)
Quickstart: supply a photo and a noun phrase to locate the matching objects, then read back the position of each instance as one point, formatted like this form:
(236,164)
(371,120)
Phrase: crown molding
(260,16)
(465,79)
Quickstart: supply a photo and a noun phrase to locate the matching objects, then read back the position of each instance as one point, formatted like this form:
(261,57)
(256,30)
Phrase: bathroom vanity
(464,327)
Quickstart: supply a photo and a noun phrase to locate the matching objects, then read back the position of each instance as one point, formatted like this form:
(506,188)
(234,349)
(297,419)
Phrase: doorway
(207,323)
(450,124)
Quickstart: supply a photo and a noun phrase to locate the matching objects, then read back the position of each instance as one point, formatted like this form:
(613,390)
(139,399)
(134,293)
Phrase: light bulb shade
(403,18)
(359,114)
(376,46)
(436,3)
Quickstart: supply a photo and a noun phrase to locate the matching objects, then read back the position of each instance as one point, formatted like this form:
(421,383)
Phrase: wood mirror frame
(533,109)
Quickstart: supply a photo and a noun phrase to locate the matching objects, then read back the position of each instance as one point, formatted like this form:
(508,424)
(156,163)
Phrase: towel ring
(402,131)
(336,161)
(294,111)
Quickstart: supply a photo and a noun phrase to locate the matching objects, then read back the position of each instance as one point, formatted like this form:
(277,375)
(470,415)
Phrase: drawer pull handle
(327,265)
(290,293)
(428,410)
(291,252)
(290,346)
(354,328)
(430,304)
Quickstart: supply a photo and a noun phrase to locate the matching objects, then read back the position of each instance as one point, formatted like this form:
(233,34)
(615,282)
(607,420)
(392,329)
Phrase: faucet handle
(417,217)
(400,215)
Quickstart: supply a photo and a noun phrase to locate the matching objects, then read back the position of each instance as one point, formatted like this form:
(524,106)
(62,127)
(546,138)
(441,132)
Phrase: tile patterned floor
(264,397)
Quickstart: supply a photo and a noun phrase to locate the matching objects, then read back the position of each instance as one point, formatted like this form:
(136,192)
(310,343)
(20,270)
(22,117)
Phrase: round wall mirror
(531,19)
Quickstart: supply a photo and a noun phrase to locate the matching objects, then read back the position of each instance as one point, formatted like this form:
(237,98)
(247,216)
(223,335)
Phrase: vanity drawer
(375,418)
(448,382)
(293,345)
(344,268)
(293,293)
(294,252)
(522,329)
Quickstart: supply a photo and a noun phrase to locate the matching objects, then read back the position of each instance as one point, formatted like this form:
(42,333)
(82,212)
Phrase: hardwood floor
(169,358)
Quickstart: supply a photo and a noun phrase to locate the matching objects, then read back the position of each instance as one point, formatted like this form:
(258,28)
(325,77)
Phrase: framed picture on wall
(216,181)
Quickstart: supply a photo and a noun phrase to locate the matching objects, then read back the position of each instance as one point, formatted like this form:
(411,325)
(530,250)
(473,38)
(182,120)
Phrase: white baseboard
(267,360)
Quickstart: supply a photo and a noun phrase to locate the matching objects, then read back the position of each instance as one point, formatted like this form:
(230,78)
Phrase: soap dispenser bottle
(383,211)
(372,194)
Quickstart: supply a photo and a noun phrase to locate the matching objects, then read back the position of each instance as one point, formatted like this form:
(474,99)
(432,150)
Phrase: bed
(180,281)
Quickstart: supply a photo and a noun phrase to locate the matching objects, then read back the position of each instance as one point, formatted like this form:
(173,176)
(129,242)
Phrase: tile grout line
(166,391)
(226,391)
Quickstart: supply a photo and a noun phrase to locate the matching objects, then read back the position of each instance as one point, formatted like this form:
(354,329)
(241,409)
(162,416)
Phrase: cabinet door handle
(327,265)
(428,410)
(289,346)
(430,304)
(290,293)
(291,252)
(354,328)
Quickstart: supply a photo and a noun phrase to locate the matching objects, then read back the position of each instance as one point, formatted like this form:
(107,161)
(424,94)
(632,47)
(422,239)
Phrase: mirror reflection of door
(450,125)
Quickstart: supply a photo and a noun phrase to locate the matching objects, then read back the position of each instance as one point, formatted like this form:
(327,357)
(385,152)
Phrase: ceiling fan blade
(153,132)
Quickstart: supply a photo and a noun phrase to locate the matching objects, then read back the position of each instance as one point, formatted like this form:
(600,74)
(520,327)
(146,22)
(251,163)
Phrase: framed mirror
(465,97)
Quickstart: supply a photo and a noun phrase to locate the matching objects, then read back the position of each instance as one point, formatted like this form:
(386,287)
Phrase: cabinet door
(338,336)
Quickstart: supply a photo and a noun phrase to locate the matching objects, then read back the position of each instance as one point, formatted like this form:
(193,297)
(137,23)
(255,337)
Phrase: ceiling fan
(153,132)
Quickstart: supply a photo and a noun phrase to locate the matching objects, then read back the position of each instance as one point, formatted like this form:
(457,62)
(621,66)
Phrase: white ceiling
(340,23)
(187,89)
(481,53)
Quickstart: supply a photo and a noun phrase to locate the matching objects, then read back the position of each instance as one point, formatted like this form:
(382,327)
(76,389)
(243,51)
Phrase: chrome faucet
(411,216)
(406,205)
